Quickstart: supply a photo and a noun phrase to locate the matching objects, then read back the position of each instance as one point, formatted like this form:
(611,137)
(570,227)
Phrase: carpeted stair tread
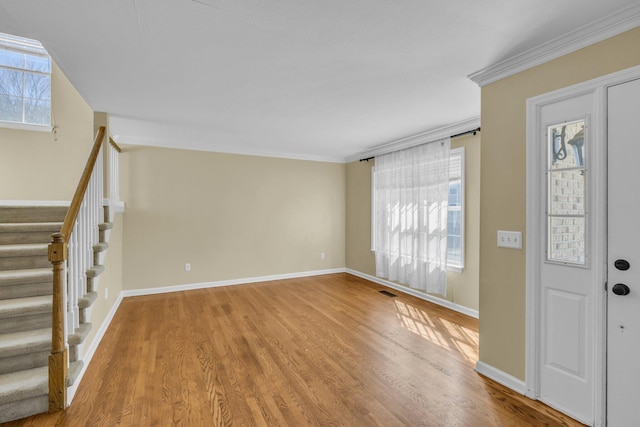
(74,371)
(25,306)
(24,384)
(87,300)
(20,232)
(80,334)
(105,226)
(33,213)
(16,343)
(95,271)
(100,247)
(24,249)
(29,227)
(24,290)
(35,275)
(24,408)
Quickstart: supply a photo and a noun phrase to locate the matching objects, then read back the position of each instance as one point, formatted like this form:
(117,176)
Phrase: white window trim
(456,268)
(26,126)
(373,209)
(459,267)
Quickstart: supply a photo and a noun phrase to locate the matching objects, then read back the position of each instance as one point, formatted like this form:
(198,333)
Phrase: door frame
(536,230)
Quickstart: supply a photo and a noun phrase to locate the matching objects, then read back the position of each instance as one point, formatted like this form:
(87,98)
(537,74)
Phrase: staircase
(26,307)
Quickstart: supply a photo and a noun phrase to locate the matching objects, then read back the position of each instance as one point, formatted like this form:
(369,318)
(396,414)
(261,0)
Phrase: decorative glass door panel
(566,193)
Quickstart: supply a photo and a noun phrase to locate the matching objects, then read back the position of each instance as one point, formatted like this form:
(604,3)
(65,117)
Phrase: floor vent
(387,293)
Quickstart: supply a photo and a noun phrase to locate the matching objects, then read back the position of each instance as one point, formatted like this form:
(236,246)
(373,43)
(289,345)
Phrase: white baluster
(100,194)
(78,265)
(69,292)
(110,189)
(72,285)
(84,236)
(82,242)
(114,175)
(111,159)
(94,211)
(91,206)
(86,245)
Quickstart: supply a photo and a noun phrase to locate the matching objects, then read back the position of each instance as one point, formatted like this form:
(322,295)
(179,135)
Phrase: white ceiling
(323,80)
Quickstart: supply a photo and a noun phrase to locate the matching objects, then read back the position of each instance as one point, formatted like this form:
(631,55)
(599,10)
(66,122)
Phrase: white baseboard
(501,377)
(88,355)
(243,281)
(407,290)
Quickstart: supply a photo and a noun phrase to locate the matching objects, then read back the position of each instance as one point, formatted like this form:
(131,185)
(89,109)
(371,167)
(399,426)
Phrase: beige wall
(358,239)
(22,152)
(503,186)
(462,288)
(229,216)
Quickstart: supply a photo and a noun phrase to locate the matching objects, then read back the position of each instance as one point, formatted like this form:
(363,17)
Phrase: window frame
(30,47)
(458,267)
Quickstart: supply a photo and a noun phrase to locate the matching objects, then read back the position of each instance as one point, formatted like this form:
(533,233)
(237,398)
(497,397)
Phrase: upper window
(25,83)
(455,217)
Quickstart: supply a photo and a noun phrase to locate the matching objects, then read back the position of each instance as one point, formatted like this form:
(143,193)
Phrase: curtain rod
(473,131)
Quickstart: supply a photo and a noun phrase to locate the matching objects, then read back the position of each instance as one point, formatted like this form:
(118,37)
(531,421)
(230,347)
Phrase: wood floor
(320,351)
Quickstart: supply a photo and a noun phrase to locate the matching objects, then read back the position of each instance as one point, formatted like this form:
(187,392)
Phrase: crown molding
(191,145)
(586,35)
(421,138)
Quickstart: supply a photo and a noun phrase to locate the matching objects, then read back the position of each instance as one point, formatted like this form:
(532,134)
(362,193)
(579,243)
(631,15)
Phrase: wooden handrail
(116,146)
(58,359)
(72,213)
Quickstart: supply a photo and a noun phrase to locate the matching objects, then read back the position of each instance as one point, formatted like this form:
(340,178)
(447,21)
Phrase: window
(455,218)
(411,189)
(455,214)
(566,183)
(25,83)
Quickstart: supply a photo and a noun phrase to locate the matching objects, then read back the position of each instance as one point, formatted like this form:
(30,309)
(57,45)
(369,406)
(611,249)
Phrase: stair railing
(113,152)
(71,254)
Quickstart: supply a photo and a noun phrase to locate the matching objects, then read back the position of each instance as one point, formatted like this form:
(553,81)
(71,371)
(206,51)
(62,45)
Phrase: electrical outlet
(106,293)
(510,239)
(187,267)
(321,255)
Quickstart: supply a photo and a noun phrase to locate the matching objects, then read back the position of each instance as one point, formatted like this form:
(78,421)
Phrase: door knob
(622,264)
(620,289)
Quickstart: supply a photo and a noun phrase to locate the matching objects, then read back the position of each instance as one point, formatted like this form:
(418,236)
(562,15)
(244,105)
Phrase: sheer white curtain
(410,193)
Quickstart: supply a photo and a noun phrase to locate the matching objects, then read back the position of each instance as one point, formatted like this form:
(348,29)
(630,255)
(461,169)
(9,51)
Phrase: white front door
(583,343)
(623,312)
(568,236)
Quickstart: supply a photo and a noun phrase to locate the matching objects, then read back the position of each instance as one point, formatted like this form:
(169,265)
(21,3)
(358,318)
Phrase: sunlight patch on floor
(444,333)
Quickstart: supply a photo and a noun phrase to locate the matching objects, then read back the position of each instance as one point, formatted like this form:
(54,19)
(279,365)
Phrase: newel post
(58,359)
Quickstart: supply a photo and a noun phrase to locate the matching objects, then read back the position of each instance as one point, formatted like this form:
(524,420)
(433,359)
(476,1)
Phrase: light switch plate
(510,239)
